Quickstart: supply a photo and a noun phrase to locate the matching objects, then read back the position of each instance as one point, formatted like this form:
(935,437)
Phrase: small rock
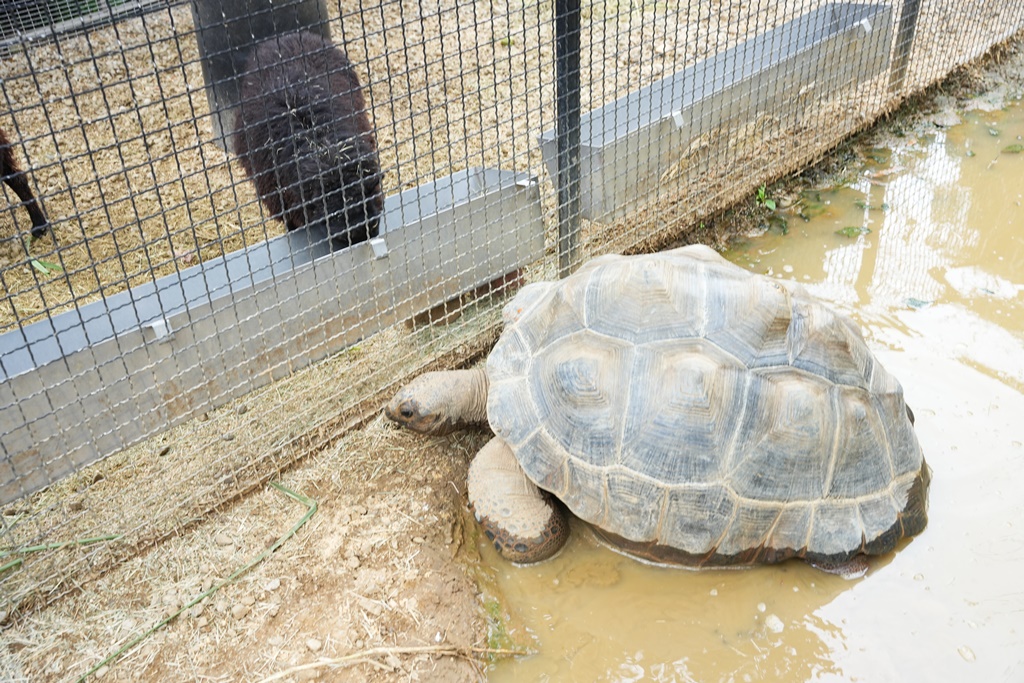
(313,645)
(276,641)
(201,622)
(242,409)
(239,610)
(223,539)
(945,119)
(248,601)
(773,623)
(101,672)
(272,612)
(370,606)
(227,436)
(164,451)
(221,605)
(352,562)
(761,607)
(272,585)
(207,584)
(967,653)
(714,592)
(417,539)
(359,509)
(197,611)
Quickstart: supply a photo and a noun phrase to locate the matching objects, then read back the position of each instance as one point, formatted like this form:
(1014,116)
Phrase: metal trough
(92,381)
(628,144)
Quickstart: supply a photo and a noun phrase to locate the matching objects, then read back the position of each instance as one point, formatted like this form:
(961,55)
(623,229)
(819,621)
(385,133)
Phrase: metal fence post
(567,96)
(904,43)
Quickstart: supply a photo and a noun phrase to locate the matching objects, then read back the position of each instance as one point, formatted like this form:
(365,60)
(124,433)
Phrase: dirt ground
(378,575)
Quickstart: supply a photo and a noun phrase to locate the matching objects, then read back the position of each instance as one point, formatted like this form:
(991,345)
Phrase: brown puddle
(938,286)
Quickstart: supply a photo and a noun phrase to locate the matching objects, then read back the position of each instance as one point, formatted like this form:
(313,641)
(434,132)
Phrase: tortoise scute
(878,513)
(790,528)
(542,454)
(750,527)
(696,405)
(822,345)
(585,491)
(673,303)
(634,501)
(788,425)
(558,314)
(902,443)
(519,416)
(835,529)
(861,461)
(697,517)
(577,385)
(526,299)
(512,359)
(749,320)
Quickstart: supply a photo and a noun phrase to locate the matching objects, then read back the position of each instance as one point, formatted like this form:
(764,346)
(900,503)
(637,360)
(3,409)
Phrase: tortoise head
(440,402)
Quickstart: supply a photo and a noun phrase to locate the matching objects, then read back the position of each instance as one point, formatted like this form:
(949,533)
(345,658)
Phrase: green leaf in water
(811,209)
(853,231)
(779,223)
(1013,149)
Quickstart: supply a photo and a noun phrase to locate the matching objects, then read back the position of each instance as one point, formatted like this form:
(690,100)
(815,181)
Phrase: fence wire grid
(192,314)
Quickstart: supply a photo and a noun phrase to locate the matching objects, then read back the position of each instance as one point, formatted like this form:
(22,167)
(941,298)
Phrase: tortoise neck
(473,396)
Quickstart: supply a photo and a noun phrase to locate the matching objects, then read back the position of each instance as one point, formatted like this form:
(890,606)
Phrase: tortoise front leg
(524,523)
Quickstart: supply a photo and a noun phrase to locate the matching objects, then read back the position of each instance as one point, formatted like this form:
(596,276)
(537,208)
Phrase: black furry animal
(17,181)
(305,139)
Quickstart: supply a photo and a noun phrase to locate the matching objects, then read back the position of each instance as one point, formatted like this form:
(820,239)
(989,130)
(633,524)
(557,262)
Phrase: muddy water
(932,266)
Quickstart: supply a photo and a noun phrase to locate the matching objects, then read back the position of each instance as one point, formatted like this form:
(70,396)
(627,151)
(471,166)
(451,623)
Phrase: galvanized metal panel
(92,381)
(628,144)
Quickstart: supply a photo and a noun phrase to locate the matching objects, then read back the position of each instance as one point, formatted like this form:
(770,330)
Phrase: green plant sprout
(763,199)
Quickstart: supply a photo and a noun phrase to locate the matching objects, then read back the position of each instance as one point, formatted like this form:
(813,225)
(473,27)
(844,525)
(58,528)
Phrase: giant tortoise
(692,412)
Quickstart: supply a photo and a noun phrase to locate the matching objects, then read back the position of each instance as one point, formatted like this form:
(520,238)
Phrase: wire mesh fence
(233,191)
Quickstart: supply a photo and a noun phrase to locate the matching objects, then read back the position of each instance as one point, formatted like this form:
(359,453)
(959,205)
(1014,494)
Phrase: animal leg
(19,183)
(524,523)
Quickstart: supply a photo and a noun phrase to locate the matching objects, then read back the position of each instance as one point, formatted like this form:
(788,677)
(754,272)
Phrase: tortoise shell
(697,413)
